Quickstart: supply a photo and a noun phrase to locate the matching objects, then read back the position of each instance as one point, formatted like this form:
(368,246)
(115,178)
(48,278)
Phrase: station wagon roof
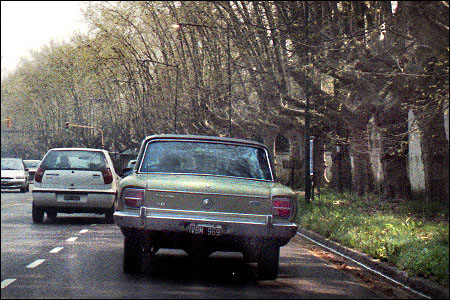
(204,138)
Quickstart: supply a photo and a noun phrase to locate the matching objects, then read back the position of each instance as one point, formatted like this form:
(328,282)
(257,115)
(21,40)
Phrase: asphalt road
(80,256)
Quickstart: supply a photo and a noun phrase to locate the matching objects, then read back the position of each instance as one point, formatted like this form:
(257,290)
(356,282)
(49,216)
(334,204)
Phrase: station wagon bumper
(232,225)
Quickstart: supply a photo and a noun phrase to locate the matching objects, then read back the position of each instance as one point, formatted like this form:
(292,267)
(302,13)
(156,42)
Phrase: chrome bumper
(242,225)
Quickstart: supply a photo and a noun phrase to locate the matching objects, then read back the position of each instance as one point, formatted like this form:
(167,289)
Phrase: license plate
(72,197)
(206,229)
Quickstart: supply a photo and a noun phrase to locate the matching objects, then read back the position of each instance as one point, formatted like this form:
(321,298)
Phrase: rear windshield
(74,160)
(12,164)
(206,158)
(31,163)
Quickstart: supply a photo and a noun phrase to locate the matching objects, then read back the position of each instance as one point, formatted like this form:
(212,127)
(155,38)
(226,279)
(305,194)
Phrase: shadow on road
(220,267)
(68,219)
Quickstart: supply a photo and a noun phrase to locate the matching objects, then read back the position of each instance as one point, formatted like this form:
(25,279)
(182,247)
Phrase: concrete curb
(422,285)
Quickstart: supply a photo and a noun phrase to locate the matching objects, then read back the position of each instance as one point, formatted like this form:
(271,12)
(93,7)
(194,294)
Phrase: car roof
(77,149)
(204,138)
(12,158)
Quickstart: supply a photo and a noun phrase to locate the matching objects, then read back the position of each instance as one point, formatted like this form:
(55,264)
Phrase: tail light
(39,174)
(107,176)
(282,207)
(132,197)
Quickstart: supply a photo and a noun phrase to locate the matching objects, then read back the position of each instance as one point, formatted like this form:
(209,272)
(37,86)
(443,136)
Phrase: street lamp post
(230,109)
(176,90)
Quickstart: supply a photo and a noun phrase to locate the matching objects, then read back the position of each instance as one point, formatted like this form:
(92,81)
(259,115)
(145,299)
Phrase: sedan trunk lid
(208,193)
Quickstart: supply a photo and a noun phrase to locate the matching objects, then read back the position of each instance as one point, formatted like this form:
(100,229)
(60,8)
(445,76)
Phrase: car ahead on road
(130,167)
(75,180)
(14,174)
(32,165)
(204,194)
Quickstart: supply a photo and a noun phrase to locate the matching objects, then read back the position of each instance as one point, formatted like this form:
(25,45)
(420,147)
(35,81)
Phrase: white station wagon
(75,180)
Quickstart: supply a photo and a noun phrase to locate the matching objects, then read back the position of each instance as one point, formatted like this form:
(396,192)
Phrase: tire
(52,214)
(23,189)
(38,214)
(109,215)
(268,261)
(132,255)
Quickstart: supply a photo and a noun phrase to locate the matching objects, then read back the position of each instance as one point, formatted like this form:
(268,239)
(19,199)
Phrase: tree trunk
(341,169)
(434,144)
(319,162)
(363,175)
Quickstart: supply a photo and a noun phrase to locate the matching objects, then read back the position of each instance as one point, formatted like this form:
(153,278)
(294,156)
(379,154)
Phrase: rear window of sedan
(207,159)
(74,160)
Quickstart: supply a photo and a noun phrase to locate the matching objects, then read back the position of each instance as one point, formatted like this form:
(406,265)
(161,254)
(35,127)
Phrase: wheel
(38,214)
(109,215)
(132,255)
(267,265)
(51,214)
(28,187)
(23,189)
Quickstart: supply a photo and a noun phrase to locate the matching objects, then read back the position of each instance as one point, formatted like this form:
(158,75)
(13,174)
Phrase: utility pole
(307,115)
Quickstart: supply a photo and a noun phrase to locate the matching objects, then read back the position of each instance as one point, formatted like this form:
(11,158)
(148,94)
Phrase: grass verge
(407,234)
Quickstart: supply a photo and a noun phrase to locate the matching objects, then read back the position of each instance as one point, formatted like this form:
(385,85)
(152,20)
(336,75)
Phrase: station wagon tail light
(282,207)
(107,176)
(133,197)
(39,174)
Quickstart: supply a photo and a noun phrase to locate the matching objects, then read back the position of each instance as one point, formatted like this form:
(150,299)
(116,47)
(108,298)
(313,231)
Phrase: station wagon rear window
(185,157)
(74,160)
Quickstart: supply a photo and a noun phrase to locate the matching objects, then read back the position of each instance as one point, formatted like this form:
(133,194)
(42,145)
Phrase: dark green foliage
(392,232)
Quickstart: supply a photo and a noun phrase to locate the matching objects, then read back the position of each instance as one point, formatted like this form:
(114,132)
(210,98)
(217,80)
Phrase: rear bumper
(88,199)
(13,183)
(250,227)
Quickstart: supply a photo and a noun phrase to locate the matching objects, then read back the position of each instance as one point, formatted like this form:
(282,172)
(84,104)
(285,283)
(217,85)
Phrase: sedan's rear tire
(268,261)
(132,255)
(38,214)
(109,215)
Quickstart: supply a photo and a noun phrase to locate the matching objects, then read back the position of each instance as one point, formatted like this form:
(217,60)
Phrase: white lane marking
(72,239)
(7,282)
(36,263)
(56,250)
(84,230)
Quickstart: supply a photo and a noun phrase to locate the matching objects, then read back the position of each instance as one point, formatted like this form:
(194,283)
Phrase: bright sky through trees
(29,25)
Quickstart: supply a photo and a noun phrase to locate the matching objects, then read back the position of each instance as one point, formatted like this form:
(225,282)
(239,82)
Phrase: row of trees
(247,68)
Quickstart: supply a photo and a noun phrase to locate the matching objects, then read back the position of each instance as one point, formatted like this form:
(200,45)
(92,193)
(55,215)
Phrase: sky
(29,25)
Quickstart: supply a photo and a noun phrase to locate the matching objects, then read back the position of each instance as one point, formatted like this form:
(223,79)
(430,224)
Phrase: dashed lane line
(35,263)
(7,282)
(56,250)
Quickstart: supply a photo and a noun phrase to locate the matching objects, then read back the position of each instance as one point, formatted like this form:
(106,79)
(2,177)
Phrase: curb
(422,285)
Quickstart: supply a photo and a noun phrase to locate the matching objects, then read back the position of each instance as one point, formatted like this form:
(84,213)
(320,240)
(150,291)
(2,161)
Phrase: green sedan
(204,194)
